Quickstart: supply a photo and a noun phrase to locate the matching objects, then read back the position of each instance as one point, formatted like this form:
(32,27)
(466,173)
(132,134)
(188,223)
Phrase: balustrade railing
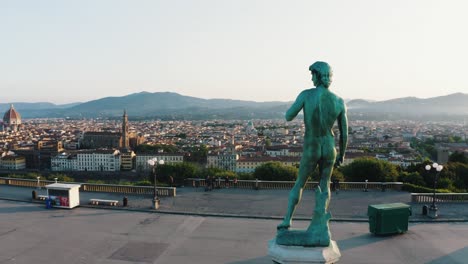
(90,187)
(439,197)
(285,185)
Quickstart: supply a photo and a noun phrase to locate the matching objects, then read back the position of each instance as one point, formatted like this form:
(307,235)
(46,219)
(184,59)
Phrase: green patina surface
(321,109)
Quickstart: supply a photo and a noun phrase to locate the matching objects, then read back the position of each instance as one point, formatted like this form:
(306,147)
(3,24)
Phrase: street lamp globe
(435,165)
(152,161)
(439,168)
(428,167)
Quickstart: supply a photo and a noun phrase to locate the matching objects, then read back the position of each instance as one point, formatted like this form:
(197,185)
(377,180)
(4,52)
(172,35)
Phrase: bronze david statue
(321,109)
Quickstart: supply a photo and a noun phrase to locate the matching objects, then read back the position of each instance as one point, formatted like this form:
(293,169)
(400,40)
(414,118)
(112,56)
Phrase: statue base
(303,255)
(432,213)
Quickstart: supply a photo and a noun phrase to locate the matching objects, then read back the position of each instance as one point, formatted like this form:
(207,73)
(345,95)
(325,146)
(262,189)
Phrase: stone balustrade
(286,185)
(89,187)
(439,197)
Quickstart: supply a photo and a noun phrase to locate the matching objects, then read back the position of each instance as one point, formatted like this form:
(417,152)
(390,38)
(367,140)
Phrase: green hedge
(420,189)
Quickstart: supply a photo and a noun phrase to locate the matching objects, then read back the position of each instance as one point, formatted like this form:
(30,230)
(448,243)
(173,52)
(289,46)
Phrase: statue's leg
(319,227)
(325,177)
(326,170)
(306,167)
(319,230)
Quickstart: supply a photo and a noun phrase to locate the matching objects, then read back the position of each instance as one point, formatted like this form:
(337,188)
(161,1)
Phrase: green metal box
(388,218)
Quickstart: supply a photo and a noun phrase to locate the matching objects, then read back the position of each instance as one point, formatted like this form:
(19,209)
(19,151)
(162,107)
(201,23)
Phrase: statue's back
(321,110)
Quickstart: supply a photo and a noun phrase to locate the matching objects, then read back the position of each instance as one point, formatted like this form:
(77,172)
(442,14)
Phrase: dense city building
(225,161)
(249,164)
(234,145)
(141,163)
(108,139)
(93,140)
(11,161)
(127,159)
(87,160)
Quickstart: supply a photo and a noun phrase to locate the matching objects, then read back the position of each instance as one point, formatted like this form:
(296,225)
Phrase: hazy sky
(69,51)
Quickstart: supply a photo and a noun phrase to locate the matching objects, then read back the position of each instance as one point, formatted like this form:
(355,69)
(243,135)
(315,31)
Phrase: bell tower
(125,141)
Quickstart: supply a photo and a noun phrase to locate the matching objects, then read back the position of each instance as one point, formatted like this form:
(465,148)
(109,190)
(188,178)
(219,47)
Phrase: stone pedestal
(156,203)
(432,213)
(303,255)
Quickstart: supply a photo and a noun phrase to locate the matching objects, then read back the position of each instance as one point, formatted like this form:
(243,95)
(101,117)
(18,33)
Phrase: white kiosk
(64,195)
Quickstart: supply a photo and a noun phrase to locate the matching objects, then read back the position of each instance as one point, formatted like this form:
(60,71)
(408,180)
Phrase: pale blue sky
(68,51)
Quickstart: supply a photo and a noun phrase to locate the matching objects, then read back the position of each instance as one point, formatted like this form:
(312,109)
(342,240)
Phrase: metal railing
(91,187)
(286,185)
(439,197)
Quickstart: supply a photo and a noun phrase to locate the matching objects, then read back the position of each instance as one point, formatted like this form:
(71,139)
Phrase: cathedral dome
(12,117)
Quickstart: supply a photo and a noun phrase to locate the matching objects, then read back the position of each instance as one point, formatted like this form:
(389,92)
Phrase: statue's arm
(295,108)
(343,127)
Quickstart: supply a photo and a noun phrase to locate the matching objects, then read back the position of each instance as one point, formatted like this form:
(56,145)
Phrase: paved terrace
(266,204)
(29,233)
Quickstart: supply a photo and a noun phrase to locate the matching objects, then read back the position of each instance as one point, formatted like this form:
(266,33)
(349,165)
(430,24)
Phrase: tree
(179,172)
(455,139)
(224,174)
(370,169)
(60,177)
(198,154)
(275,171)
(458,173)
(336,175)
(454,175)
(144,148)
(210,172)
(412,177)
(458,157)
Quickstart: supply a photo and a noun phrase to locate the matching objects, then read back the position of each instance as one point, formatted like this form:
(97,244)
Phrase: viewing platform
(346,205)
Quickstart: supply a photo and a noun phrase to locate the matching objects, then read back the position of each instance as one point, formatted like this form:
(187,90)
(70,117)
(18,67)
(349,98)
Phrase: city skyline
(65,52)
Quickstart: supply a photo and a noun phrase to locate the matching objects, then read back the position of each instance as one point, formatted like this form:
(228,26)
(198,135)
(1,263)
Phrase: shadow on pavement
(18,209)
(260,260)
(361,240)
(457,257)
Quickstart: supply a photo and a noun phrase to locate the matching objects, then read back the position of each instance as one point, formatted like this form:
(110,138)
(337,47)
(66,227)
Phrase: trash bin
(48,203)
(34,195)
(388,218)
(125,201)
(424,210)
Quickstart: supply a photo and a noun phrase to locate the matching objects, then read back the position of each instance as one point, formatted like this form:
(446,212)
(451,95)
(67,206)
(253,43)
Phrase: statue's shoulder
(339,100)
(341,103)
(309,91)
(305,93)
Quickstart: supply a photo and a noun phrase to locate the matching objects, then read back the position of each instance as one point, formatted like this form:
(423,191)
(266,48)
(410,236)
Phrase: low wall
(286,185)
(89,187)
(439,197)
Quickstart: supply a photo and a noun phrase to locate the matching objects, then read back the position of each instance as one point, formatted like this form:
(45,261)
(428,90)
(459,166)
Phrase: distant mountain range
(36,106)
(454,104)
(167,105)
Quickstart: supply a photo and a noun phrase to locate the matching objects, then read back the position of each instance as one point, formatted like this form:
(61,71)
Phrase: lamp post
(153,163)
(38,182)
(433,208)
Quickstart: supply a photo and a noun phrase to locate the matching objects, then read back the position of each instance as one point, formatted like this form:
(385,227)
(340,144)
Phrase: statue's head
(321,73)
